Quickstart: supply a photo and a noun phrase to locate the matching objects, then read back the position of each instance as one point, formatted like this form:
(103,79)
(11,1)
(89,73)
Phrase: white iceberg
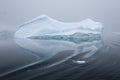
(44,27)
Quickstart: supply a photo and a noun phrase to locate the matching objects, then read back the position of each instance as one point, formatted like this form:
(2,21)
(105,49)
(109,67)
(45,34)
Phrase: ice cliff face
(44,27)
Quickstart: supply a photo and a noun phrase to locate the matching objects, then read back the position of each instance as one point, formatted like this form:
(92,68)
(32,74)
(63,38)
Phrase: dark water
(59,60)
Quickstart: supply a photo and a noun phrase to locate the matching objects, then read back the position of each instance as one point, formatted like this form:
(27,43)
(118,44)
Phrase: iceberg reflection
(48,49)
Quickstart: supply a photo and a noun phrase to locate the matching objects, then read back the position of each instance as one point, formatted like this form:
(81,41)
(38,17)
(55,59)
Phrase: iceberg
(47,28)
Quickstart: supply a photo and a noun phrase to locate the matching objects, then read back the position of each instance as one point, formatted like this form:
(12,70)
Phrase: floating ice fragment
(44,27)
(79,62)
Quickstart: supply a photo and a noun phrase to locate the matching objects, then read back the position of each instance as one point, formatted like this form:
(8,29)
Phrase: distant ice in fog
(5,35)
(117,33)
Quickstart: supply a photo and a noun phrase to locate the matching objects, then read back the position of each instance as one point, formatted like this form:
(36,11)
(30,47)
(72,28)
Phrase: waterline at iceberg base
(76,37)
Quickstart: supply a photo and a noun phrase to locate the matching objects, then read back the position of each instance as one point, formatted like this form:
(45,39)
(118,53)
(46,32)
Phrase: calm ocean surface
(59,60)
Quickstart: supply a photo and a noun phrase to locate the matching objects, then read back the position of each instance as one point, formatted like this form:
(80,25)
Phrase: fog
(15,12)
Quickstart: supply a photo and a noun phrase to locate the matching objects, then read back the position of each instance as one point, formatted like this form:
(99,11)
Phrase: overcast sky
(15,12)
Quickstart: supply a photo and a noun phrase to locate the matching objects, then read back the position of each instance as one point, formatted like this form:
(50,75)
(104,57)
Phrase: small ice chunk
(79,62)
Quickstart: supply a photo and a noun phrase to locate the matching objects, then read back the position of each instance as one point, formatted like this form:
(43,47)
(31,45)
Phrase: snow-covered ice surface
(44,27)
